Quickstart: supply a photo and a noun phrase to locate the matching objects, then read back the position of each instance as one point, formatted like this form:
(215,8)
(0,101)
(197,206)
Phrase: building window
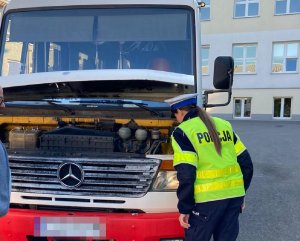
(285,57)
(242,107)
(244,58)
(287,6)
(205,12)
(246,8)
(282,107)
(205,59)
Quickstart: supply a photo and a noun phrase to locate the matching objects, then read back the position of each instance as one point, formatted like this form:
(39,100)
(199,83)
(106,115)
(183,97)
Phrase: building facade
(3,3)
(264,39)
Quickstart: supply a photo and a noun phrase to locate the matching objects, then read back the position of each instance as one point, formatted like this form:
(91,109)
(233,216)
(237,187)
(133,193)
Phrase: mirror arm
(207,92)
(229,91)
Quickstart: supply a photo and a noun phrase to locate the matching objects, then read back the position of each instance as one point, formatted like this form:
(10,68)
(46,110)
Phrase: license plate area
(70,228)
(31,238)
(82,240)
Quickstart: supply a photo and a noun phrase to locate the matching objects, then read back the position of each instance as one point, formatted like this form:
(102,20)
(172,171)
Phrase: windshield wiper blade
(37,104)
(64,108)
(119,102)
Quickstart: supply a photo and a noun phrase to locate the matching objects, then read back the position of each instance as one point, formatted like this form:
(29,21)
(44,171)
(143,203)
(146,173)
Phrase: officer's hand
(243,206)
(184,220)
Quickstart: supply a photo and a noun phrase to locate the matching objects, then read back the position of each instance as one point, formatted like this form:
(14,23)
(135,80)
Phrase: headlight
(165,181)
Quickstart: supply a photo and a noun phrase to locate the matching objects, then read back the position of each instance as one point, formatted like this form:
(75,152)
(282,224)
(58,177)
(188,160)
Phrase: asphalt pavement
(273,200)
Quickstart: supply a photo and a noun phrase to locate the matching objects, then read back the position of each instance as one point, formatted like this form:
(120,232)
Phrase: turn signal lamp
(167,165)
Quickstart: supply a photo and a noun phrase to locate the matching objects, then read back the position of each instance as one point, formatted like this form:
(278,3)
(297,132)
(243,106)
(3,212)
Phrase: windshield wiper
(59,106)
(38,104)
(118,102)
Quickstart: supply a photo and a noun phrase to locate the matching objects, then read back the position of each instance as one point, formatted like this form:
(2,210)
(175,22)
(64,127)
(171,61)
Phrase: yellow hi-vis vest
(218,177)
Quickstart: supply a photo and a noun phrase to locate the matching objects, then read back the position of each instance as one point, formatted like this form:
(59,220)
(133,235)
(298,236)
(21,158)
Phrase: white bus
(85,124)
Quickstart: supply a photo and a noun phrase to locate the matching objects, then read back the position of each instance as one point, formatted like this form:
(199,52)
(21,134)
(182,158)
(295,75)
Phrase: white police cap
(182,101)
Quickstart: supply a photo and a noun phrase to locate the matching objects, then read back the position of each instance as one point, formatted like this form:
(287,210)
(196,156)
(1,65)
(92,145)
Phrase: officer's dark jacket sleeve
(245,163)
(186,175)
(4,181)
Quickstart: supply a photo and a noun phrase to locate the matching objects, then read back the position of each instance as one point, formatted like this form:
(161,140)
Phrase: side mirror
(223,80)
(223,71)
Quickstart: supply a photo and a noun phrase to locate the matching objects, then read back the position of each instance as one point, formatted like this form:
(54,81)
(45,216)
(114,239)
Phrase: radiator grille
(102,176)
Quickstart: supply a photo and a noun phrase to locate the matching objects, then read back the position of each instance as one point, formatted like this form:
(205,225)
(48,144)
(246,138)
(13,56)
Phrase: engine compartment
(105,137)
(116,158)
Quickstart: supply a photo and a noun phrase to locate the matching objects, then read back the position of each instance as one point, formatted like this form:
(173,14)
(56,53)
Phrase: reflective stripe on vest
(208,174)
(185,157)
(239,146)
(218,185)
(181,156)
(218,177)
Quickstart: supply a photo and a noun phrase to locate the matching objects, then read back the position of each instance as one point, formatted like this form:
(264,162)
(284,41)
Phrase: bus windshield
(85,39)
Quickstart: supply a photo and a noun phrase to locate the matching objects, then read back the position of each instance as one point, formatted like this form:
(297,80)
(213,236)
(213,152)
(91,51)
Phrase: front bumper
(22,224)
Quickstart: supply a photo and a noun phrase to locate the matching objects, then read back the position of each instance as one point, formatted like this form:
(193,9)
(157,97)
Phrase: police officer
(214,169)
(4,172)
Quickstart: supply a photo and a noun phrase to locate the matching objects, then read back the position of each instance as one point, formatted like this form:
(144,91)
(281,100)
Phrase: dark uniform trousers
(217,218)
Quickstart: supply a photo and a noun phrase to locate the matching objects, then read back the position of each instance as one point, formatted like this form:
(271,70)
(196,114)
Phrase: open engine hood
(129,84)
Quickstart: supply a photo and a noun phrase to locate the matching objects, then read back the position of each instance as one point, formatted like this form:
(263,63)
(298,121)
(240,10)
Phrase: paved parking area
(273,201)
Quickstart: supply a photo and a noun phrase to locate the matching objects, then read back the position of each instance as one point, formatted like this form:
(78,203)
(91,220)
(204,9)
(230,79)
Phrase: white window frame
(285,57)
(246,3)
(244,59)
(243,99)
(287,10)
(205,47)
(281,117)
(207,6)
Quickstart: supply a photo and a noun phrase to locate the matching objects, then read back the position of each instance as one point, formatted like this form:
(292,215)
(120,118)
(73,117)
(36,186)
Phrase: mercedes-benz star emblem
(70,174)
